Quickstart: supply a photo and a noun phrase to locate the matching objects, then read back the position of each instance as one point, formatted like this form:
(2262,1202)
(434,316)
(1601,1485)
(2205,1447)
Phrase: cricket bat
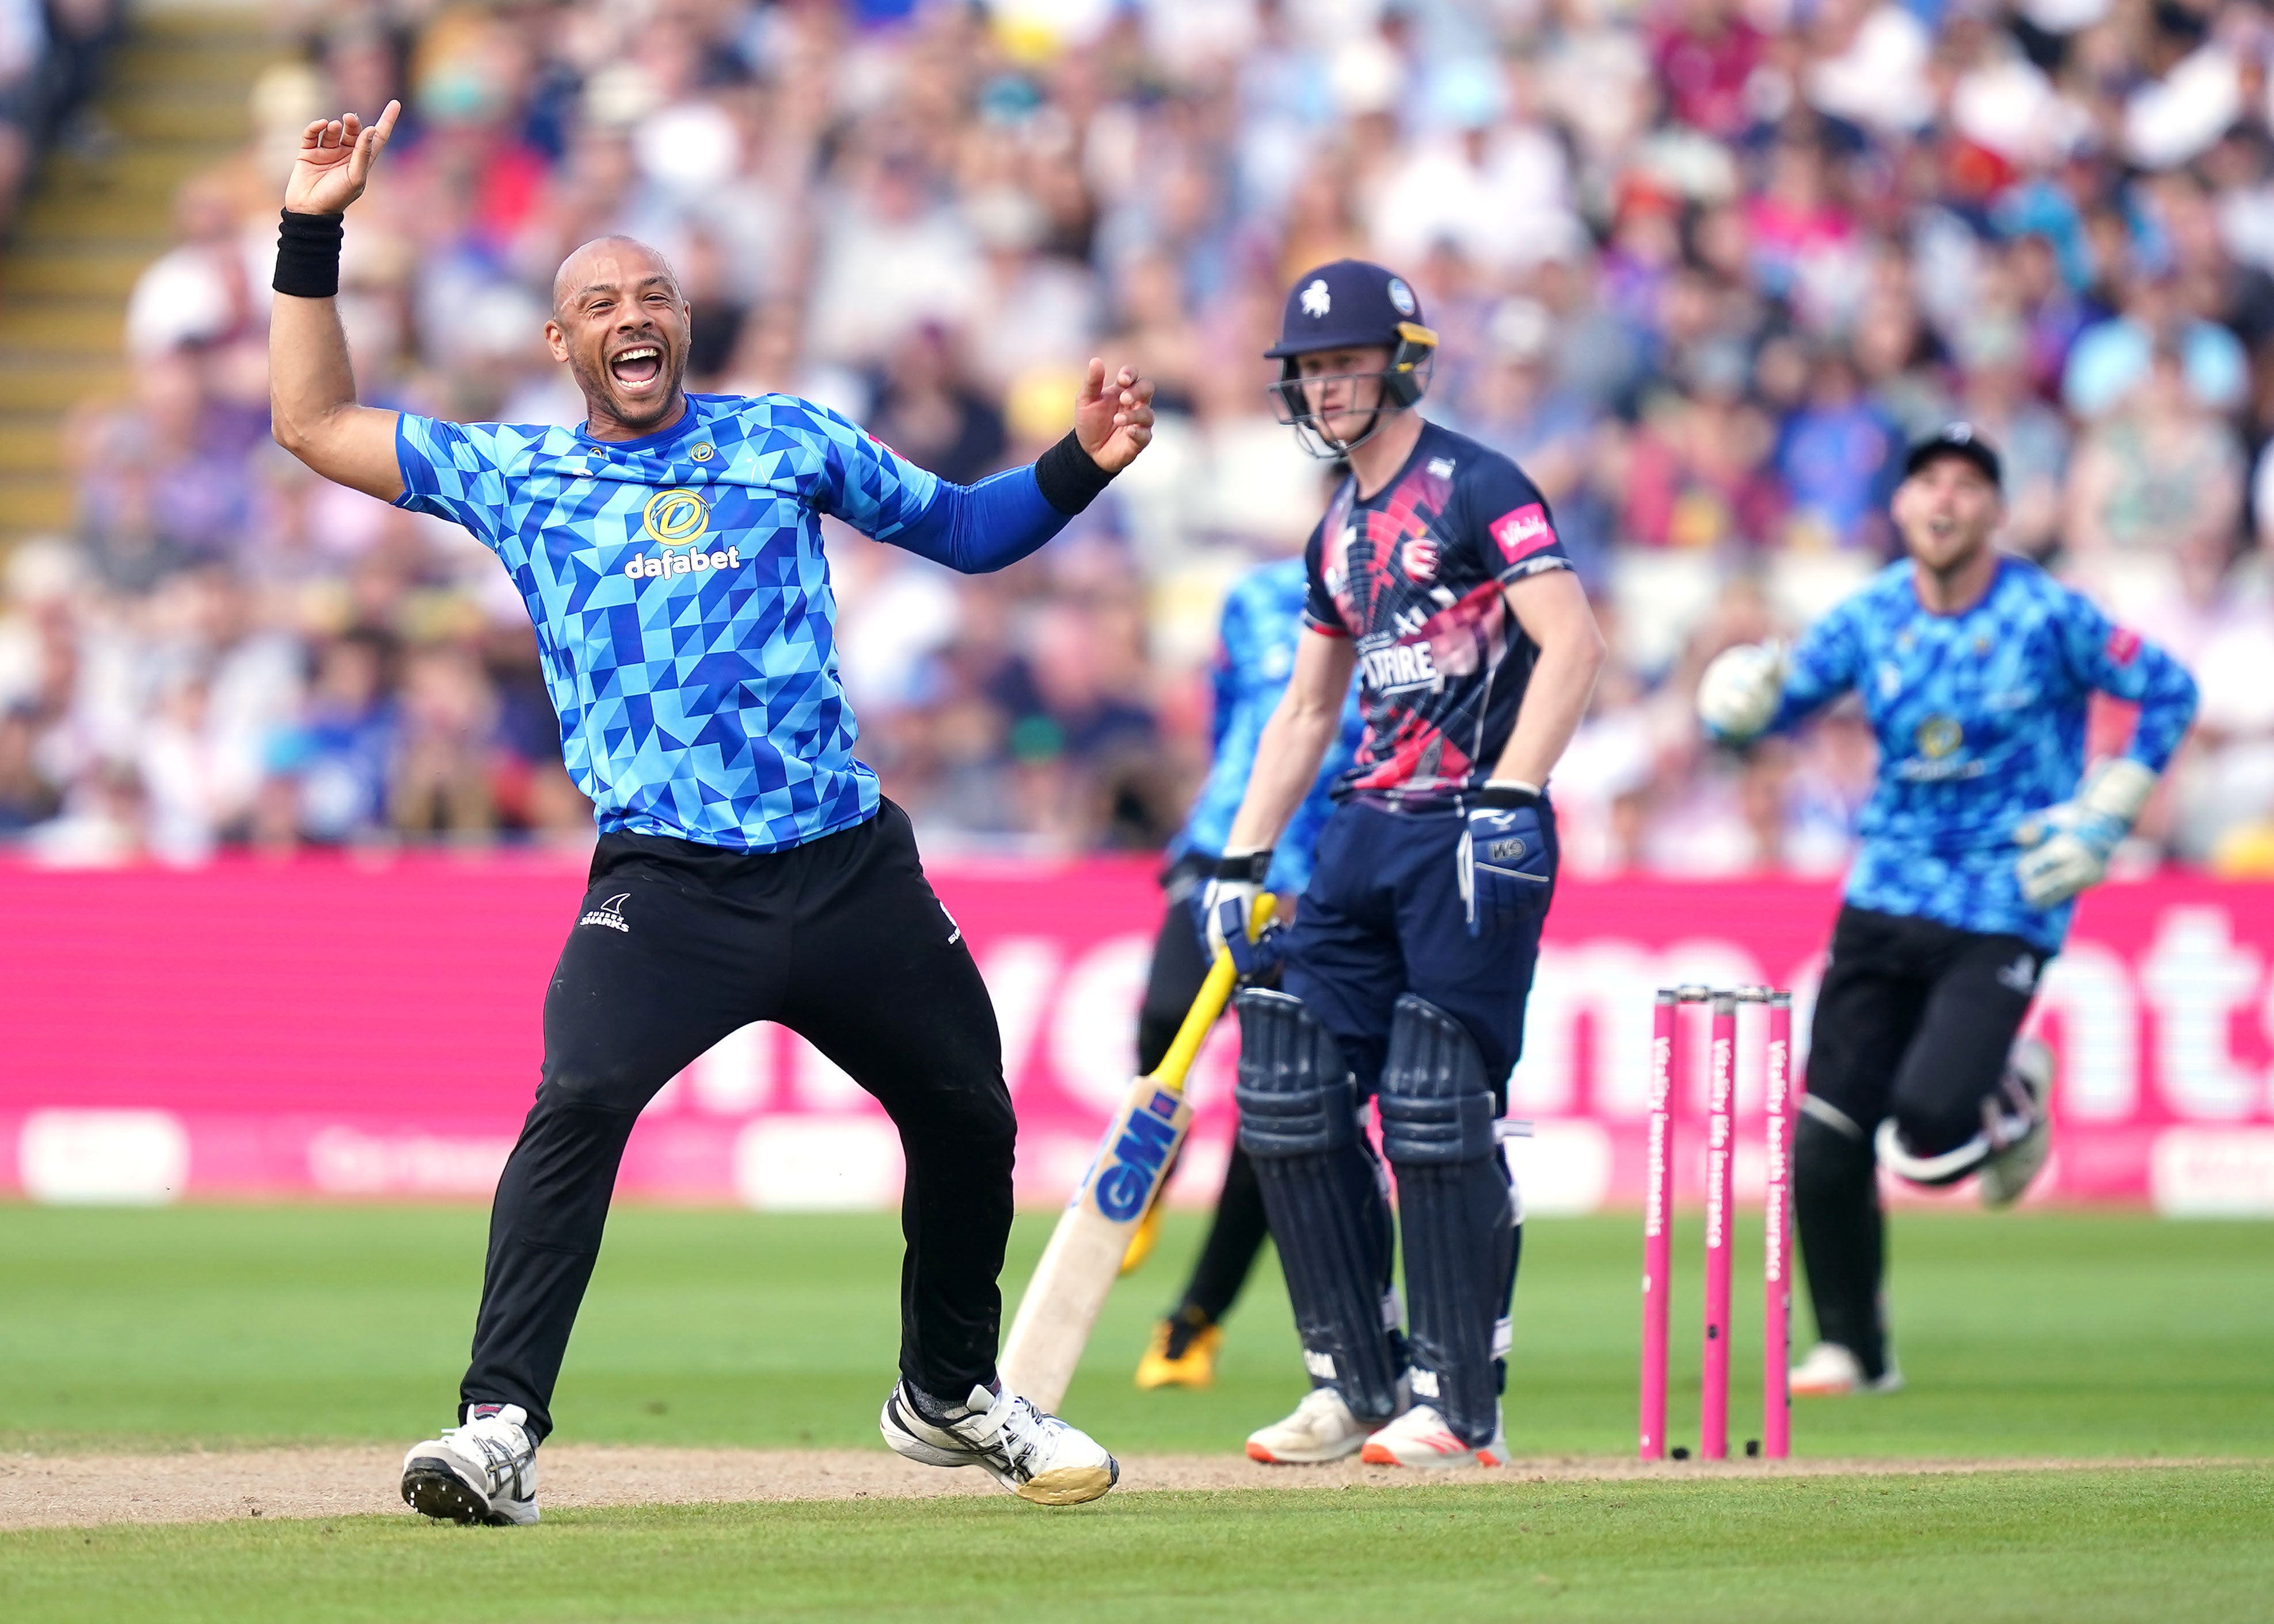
(1083,1259)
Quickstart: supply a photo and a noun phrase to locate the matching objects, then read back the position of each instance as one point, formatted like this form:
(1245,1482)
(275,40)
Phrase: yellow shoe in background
(1140,1241)
(1182,1355)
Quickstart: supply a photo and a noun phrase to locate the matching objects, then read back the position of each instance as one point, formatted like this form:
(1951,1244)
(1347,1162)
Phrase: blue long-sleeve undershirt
(979,528)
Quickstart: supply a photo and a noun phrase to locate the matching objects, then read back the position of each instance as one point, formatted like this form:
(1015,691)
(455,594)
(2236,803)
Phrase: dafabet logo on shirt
(676,518)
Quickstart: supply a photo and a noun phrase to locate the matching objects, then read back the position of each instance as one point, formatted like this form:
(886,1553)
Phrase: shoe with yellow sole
(1182,1354)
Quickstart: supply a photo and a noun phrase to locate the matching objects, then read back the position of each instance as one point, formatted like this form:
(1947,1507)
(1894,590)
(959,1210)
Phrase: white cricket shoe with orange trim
(1322,1429)
(1419,1438)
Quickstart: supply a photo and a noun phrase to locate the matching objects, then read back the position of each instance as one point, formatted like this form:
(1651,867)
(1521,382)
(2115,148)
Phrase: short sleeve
(452,470)
(866,483)
(1319,611)
(1511,522)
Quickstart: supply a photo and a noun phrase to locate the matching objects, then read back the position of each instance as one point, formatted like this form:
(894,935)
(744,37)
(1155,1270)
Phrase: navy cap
(1344,306)
(1956,439)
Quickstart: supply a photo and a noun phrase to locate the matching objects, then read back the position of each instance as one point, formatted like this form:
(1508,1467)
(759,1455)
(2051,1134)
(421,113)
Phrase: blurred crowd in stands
(1701,265)
(50,53)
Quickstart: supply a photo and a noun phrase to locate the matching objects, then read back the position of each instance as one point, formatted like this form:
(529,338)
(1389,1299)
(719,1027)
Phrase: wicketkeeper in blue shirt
(1974,670)
(669,552)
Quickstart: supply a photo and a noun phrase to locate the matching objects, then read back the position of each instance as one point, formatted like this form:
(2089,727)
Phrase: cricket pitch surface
(212,1487)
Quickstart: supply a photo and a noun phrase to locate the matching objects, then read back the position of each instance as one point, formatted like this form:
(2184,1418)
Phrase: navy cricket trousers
(1384,916)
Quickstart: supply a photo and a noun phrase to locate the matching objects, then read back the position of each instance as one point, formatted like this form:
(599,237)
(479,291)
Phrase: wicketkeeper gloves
(2067,847)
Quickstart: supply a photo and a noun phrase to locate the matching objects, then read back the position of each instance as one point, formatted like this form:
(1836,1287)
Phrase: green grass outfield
(2170,1545)
(2039,1335)
(2029,1334)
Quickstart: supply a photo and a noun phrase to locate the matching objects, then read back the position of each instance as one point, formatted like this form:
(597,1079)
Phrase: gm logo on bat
(1137,1158)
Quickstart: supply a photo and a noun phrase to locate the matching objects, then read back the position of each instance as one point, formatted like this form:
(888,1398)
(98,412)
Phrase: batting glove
(1507,868)
(1738,695)
(2067,847)
(1236,884)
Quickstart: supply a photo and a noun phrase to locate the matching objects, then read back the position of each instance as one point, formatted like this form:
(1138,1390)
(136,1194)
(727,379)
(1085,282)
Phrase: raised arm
(1762,687)
(980,527)
(311,395)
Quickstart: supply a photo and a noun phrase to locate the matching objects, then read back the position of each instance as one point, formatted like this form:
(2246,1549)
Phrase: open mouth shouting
(638,370)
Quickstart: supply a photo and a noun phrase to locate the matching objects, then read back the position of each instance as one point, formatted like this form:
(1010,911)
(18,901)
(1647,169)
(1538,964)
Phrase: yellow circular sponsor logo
(702,451)
(675,517)
(1939,736)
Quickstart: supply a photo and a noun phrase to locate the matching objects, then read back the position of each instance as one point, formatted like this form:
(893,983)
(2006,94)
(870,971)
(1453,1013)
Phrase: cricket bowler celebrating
(1974,670)
(1260,628)
(1437,573)
(748,869)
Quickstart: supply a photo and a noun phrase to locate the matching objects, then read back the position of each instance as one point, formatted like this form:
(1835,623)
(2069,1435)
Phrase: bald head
(619,265)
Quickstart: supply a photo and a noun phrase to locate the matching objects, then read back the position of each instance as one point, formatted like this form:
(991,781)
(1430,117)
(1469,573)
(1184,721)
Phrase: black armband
(308,256)
(1069,479)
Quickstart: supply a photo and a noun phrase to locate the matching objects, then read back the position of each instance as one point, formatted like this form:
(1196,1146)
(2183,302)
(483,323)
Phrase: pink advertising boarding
(335,1028)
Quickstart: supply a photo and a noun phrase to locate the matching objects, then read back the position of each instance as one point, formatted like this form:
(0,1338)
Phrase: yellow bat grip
(1215,992)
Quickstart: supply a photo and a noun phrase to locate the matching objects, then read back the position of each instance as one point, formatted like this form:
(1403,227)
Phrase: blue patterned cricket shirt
(682,602)
(1255,656)
(1980,718)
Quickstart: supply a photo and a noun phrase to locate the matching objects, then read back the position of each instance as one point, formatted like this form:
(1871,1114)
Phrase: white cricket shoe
(484,1471)
(1831,1371)
(1322,1429)
(1034,1455)
(1420,1438)
(2007,1173)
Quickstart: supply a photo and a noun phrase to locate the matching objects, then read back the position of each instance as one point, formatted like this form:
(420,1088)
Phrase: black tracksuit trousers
(1915,1021)
(1238,1230)
(677,945)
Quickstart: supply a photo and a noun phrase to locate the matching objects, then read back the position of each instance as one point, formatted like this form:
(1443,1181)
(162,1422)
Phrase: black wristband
(1506,797)
(1251,866)
(1069,479)
(308,256)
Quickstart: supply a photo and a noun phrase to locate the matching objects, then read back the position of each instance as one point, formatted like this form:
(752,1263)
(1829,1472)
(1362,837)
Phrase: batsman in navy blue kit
(1437,576)
(749,868)
(1974,670)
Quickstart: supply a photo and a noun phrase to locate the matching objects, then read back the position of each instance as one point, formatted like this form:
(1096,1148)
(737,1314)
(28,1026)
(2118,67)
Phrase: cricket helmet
(1350,305)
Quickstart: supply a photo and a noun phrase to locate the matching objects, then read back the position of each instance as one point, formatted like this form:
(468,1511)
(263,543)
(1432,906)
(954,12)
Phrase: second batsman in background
(1437,575)
(1974,670)
(1260,628)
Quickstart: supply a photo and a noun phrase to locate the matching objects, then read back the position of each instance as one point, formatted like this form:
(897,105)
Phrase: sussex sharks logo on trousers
(609,915)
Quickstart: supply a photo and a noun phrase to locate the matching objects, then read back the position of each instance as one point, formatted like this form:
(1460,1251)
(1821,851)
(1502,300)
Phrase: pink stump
(1721,1143)
(1776,1331)
(1658,1224)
